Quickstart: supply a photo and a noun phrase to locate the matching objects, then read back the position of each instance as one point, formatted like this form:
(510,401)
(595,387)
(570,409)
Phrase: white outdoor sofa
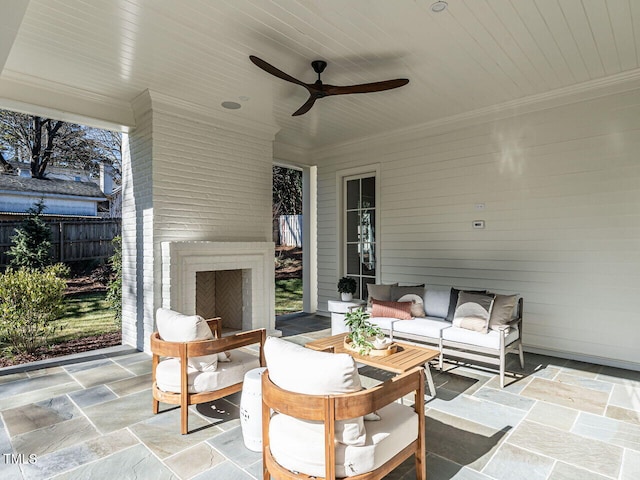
(435,330)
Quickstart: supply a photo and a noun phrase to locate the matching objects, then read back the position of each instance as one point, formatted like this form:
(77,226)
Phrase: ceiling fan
(318,89)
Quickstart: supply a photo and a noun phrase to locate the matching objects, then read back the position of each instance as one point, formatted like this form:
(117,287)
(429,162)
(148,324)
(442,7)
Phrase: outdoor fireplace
(220,293)
(233,280)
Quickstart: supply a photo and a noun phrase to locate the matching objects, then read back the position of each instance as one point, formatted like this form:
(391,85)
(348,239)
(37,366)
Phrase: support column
(310,239)
(137,229)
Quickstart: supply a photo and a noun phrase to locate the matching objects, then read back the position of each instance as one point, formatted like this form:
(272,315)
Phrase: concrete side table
(251,409)
(338,309)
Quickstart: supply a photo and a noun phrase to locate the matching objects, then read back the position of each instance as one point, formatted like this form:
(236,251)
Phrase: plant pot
(346,297)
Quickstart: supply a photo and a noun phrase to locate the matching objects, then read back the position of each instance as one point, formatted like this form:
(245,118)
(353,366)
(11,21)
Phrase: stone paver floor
(90,417)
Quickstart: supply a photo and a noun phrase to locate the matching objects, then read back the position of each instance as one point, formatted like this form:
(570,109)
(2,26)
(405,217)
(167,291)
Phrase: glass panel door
(360,231)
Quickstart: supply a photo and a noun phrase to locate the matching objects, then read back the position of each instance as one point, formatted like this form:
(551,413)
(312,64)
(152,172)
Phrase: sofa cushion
(427,327)
(453,301)
(297,369)
(379,292)
(490,339)
(417,304)
(502,312)
(386,323)
(436,302)
(299,446)
(227,374)
(399,310)
(177,327)
(473,311)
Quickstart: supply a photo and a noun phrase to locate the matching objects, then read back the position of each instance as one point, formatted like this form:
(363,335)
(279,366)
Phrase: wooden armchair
(297,447)
(178,380)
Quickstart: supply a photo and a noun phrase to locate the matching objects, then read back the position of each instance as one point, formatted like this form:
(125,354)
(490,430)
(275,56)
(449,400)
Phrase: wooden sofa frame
(185,350)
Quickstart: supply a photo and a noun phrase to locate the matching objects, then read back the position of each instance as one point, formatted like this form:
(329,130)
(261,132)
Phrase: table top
(407,357)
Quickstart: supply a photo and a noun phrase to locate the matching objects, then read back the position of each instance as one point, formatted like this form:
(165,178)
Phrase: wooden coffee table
(407,357)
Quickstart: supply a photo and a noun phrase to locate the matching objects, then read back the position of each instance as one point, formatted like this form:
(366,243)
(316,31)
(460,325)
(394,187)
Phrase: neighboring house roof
(54,171)
(50,186)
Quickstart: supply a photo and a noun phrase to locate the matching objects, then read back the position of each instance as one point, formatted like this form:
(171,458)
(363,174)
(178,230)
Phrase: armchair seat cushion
(479,339)
(426,327)
(227,374)
(299,446)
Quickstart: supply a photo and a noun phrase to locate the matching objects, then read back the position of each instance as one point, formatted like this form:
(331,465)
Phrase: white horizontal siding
(53,206)
(561,190)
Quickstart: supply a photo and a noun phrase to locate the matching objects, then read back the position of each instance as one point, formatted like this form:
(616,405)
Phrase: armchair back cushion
(301,370)
(177,327)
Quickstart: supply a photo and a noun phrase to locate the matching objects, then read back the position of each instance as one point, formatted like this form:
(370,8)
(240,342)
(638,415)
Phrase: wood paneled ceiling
(476,54)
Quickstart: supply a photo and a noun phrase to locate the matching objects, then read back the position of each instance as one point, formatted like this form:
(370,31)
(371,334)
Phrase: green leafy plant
(114,290)
(361,330)
(30,302)
(347,285)
(32,242)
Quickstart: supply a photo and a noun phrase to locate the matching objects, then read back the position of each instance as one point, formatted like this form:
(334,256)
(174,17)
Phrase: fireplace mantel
(181,261)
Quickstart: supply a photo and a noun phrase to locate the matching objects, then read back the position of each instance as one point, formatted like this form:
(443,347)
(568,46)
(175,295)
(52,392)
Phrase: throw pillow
(473,311)
(453,301)
(301,370)
(399,310)
(176,327)
(436,302)
(379,292)
(502,312)
(401,291)
(417,304)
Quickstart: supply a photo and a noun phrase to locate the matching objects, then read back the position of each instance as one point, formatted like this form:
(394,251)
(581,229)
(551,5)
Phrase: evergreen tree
(114,291)
(32,242)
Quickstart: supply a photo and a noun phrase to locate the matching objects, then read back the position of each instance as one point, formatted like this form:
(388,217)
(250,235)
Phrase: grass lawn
(288,296)
(87,314)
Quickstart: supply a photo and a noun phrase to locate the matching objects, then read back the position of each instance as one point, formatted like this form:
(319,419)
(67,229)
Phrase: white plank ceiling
(476,54)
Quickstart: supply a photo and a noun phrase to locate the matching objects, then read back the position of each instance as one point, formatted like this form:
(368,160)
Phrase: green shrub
(31,245)
(30,302)
(114,290)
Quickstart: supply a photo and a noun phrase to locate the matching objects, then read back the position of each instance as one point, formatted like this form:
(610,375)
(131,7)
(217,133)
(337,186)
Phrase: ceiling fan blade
(306,107)
(365,87)
(267,67)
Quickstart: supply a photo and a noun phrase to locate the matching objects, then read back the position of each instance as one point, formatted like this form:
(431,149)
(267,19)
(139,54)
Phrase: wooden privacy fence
(73,240)
(290,230)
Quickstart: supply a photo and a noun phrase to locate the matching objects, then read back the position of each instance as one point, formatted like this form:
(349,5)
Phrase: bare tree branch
(48,142)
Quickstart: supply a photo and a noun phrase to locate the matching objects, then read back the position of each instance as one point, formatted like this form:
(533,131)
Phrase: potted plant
(347,287)
(361,331)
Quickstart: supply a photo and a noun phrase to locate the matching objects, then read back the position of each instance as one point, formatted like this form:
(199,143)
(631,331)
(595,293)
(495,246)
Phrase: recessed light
(231,105)
(439,6)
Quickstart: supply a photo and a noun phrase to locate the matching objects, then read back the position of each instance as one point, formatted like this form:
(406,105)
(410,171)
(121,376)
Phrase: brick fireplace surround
(182,260)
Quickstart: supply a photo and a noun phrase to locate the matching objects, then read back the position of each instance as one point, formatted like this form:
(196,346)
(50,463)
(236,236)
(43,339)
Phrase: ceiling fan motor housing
(318,66)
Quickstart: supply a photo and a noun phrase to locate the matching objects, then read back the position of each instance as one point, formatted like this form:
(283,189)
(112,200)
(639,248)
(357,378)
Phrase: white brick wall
(562,211)
(199,178)
(137,230)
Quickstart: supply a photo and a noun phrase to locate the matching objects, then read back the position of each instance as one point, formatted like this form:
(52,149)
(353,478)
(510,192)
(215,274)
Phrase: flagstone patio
(90,417)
